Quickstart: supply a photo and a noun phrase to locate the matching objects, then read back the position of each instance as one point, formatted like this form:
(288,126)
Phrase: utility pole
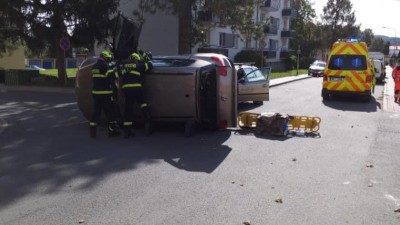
(298,59)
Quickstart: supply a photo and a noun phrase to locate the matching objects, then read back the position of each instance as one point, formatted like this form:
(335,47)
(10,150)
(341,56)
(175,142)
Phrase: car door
(254,86)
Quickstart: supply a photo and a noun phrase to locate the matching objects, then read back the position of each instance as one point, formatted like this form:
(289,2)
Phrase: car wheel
(258,102)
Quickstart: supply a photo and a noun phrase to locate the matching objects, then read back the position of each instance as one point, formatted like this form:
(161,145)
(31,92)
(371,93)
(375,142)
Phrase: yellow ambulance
(349,71)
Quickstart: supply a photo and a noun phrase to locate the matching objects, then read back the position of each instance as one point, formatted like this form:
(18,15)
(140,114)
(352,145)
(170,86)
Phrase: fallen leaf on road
(370,185)
(246,222)
(278,200)
(369,165)
(397,210)
(81,221)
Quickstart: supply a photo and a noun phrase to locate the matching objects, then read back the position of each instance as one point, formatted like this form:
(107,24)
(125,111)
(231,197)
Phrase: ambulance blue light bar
(348,40)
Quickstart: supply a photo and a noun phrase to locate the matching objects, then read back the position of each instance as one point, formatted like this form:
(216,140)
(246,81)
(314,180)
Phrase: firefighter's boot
(93,131)
(113,129)
(128,132)
(148,124)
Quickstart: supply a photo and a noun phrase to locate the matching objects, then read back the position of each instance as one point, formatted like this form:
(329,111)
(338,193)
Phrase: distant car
(316,69)
(34,67)
(380,72)
(253,83)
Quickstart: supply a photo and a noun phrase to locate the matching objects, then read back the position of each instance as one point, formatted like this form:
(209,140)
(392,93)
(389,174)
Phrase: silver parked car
(253,83)
(316,69)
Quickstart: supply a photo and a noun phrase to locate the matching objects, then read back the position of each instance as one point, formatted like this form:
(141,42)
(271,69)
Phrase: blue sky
(373,14)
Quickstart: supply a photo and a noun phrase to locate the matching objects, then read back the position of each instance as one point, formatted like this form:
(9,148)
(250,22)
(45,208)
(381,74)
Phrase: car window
(348,62)
(254,74)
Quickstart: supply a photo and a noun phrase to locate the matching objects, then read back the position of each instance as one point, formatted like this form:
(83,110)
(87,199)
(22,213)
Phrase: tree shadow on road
(46,148)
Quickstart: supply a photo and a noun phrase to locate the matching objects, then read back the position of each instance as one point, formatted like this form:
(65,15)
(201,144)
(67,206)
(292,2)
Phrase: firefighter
(132,88)
(396,79)
(104,82)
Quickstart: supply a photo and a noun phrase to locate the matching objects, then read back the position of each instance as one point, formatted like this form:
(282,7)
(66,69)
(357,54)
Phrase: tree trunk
(185,28)
(60,62)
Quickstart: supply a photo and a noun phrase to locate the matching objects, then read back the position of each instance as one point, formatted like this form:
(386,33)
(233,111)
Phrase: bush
(290,62)
(2,74)
(51,81)
(250,56)
(305,62)
(18,76)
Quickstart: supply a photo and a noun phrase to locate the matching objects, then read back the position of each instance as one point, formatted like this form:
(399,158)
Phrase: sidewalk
(388,96)
(284,80)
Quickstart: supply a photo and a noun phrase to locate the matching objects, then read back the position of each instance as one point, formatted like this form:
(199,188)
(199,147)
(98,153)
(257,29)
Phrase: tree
(339,20)
(368,36)
(306,31)
(377,45)
(41,24)
(7,31)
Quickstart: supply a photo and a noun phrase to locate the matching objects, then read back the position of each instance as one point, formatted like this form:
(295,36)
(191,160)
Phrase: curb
(65,90)
(285,80)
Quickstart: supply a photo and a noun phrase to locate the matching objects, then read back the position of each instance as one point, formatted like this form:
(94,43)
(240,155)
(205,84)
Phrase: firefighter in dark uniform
(132,88)
(104,81)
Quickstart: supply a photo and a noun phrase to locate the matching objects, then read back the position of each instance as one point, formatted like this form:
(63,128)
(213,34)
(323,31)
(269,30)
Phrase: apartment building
(279,13)
(160,31)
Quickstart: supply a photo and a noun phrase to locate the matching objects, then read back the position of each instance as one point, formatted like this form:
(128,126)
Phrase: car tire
(258,102)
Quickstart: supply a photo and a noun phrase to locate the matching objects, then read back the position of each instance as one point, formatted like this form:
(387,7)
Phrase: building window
(247,43)
(273,45)
(227,40)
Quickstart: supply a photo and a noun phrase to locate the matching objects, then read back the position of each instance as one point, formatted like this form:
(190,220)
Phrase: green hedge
(19,77)
(2,72)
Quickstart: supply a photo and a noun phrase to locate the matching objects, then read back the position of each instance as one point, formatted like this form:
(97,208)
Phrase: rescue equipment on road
(278,124)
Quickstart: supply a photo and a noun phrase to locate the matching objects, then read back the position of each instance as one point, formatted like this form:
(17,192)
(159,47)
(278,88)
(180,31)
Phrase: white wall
(159,33)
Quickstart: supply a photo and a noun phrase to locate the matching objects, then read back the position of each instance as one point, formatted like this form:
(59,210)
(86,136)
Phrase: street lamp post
(298,58)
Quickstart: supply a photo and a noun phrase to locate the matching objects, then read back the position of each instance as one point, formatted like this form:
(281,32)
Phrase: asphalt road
(51,172)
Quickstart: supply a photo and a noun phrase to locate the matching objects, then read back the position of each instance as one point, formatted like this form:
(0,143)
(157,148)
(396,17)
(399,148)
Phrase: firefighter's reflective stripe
(143,105)
(112,71)
(92,124)
(102,92)
(131,85)
(127,123)
(99,75)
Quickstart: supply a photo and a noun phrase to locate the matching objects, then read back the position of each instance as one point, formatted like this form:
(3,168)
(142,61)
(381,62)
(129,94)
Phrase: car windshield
(320,64)
(348,62)
(253,74)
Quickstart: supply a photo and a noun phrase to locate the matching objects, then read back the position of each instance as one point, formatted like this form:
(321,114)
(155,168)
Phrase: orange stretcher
(306,123)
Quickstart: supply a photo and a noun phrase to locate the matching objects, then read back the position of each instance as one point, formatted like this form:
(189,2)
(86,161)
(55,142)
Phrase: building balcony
(289,12)
(285,53)
(271,5)
(288,33)
(269,54)
(271,30)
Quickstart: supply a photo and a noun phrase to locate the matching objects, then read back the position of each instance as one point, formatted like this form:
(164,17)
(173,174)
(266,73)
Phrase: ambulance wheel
(367,98)
(190,128)
(325,97)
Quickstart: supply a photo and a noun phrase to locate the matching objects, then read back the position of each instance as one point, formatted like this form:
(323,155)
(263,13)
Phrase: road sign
(65,44)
